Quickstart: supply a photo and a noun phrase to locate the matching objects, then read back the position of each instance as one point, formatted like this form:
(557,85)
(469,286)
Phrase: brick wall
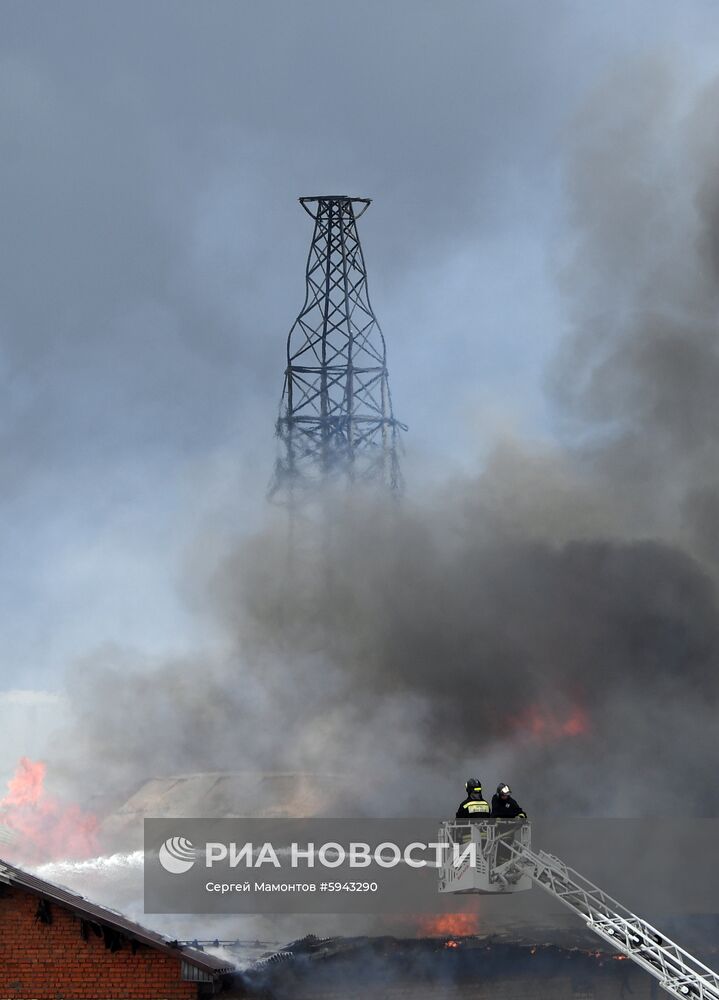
(40,961)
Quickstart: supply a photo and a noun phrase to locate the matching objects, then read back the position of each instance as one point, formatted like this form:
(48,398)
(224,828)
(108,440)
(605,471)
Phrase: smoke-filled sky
(543,254)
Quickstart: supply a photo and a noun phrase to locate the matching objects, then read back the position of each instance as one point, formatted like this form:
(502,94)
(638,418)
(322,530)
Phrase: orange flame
(450,925)
(547,725)
(26,786)
(44,828)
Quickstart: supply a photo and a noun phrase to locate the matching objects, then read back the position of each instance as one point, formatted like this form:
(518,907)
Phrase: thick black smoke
(552,622)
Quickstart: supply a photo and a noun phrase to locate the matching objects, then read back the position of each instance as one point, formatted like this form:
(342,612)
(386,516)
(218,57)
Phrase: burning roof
(446,966)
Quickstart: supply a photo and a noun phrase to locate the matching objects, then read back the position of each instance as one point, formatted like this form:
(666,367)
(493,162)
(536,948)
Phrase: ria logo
(177,855)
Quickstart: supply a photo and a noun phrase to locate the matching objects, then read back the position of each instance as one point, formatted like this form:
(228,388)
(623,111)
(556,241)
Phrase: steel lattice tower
(336,417)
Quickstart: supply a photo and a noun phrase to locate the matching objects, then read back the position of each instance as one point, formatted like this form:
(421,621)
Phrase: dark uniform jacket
(473,809)
(507,808)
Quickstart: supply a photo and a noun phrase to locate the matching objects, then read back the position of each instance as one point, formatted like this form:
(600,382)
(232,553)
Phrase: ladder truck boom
(505,862)
(676,970)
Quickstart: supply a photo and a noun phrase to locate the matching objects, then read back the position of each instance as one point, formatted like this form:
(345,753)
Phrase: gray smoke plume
(551,622)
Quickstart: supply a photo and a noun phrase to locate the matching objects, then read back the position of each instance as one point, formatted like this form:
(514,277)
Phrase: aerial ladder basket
(505,862)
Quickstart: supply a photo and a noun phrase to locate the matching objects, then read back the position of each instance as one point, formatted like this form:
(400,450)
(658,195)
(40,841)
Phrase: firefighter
(475,806)
(504,806)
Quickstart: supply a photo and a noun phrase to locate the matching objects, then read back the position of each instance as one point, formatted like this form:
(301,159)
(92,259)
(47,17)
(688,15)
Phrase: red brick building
(55,945)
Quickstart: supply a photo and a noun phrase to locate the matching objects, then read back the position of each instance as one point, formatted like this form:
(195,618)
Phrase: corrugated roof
(97,914)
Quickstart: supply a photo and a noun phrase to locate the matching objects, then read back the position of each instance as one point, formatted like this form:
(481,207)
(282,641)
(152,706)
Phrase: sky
(153,253)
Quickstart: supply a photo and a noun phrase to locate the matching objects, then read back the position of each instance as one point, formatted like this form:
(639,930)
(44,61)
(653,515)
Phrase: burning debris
(445,966)
(449,925)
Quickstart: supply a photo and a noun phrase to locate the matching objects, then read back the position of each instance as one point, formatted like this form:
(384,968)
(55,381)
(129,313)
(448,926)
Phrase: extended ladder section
(505,859)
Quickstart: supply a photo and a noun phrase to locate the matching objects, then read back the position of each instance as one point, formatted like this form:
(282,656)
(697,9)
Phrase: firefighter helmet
(473,785)
(503,789)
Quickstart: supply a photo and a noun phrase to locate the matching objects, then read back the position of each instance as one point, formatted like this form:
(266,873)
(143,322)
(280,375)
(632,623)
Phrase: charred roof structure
(463,968)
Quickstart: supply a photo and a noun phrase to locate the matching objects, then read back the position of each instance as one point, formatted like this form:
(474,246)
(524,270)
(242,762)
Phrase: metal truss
(336,420)
(507,863)
(678,972)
